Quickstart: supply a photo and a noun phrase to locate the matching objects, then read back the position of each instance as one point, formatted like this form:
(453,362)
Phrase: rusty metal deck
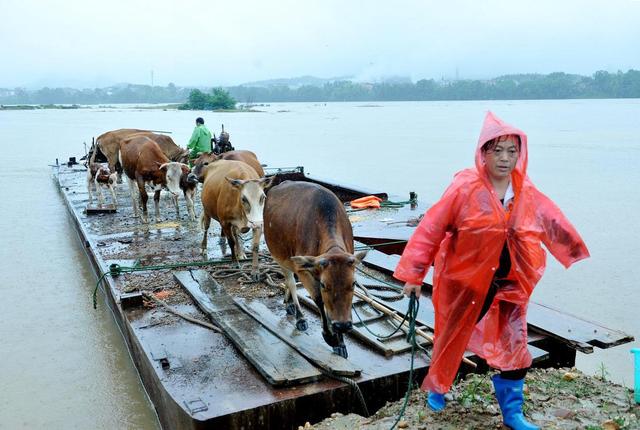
(196,377)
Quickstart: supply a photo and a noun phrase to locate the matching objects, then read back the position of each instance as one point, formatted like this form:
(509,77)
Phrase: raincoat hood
(495,127)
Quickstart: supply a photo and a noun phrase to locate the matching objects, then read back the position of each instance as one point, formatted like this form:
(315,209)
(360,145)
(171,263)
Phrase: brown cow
(207,158)
(308,233)
(143,161)
(233,195)
(109,144)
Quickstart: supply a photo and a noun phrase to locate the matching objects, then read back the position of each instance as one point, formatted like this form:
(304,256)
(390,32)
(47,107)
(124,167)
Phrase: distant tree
(218,99)
(221,99)
(197,101)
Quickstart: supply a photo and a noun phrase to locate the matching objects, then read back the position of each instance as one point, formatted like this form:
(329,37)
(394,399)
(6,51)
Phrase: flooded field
(71,361)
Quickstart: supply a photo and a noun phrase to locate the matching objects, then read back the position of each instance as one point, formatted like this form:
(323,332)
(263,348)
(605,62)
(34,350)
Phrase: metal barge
(260,372)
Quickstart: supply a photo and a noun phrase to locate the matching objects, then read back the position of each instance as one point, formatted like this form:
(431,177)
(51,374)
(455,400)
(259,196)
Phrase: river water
(65,365)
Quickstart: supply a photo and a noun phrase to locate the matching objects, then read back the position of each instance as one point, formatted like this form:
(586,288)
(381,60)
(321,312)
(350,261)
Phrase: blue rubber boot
(435,401)
(510,398)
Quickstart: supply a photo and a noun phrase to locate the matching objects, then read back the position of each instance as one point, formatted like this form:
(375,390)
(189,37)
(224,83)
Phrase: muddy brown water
(66,365)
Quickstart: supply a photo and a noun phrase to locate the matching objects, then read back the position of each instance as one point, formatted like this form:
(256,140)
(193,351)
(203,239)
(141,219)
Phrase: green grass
(478,388)
(578,387)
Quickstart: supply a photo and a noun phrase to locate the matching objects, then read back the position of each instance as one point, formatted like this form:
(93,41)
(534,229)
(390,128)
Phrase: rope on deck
(116,269)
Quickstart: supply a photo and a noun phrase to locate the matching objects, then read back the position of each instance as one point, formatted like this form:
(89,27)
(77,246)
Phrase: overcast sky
(84,43)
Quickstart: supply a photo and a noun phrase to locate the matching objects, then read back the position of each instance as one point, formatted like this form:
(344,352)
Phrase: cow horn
(360,255)
(234,182)
(267,182)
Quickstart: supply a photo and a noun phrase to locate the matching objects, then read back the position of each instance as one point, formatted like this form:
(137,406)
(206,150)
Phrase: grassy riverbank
(34,107)
(563,399)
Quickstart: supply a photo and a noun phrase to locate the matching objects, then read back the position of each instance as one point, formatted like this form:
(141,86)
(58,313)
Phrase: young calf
(98,176)
(188,185)
(308,233)
(233,195)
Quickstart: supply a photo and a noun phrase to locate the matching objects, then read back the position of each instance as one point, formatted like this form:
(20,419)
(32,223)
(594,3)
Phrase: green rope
(116,269)
(378,336)
(393,286)
(95,290)
(354,386)
(390,204)
(412,313)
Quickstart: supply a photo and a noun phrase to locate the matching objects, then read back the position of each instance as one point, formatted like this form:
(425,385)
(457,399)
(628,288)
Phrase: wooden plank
(104,209)
(580,333)
(277,362)
(300,341)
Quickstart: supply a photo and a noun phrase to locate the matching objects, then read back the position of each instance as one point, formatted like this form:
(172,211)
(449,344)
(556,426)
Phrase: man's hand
(412,288)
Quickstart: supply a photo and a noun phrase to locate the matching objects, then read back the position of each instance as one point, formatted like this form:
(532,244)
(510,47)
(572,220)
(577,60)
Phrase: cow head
(188,180)
(334,273)
(252,198)
(202,162)
(172,174)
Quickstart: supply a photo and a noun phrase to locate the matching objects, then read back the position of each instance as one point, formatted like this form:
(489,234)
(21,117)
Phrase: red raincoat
(463,235)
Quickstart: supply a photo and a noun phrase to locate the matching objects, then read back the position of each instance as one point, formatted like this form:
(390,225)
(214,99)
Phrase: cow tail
(93,153)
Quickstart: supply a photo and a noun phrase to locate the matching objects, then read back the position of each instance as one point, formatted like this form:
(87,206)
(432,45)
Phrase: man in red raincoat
(483,237)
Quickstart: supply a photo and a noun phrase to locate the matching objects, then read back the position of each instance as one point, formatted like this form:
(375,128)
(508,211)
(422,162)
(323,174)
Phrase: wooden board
(314,351)
(104,209)
(276,361)
(580,333)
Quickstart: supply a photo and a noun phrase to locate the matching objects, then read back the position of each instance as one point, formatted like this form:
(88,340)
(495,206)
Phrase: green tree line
(559,85)
(510,87)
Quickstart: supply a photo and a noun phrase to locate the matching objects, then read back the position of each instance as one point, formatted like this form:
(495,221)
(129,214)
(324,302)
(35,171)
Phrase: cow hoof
(302,325)
(291,309)
(341,351)
(331,339)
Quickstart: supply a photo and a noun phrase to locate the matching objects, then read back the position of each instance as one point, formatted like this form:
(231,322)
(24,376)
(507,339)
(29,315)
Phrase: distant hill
(295,82)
